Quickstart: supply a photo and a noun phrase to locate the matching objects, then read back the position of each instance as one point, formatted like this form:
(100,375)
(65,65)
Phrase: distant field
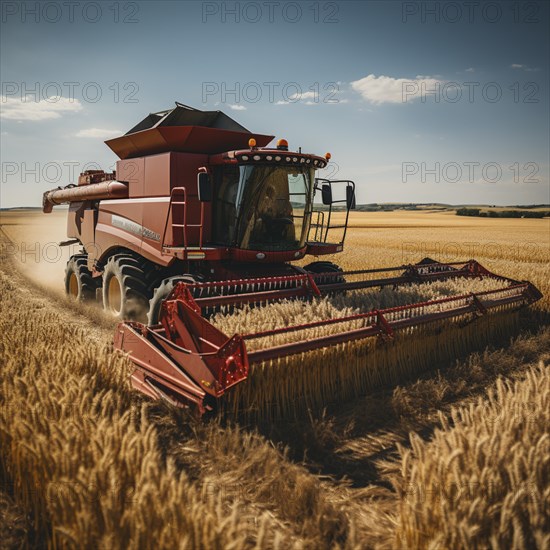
(86,462)
(517,248)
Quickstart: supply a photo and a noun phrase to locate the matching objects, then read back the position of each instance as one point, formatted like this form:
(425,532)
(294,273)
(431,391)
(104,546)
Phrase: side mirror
(350,197)
(326,194)
(204,187)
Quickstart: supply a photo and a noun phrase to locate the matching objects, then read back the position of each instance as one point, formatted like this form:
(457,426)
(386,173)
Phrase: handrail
(184,225)
(170,204)
(323,228)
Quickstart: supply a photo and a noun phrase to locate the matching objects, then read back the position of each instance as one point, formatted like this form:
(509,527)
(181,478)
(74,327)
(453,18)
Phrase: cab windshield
(262,207)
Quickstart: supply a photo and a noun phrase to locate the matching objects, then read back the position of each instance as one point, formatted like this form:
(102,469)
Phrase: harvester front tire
(79,283)
(125,292)
(161,293)
(326,267)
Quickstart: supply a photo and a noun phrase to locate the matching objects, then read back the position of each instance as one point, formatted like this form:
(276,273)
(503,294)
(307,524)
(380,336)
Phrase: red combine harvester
(201,215)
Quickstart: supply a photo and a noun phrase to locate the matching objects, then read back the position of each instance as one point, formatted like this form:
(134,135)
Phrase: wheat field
(440,443)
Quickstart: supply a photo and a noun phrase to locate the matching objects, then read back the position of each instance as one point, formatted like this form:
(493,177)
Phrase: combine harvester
(201,217)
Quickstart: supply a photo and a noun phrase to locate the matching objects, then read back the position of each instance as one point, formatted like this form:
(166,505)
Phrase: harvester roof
(184,129)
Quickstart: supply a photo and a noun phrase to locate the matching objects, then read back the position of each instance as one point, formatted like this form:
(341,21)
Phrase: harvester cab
(202,216)
(263,200)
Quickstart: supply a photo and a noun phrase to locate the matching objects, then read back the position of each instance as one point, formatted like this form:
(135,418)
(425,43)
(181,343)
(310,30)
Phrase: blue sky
(416,101)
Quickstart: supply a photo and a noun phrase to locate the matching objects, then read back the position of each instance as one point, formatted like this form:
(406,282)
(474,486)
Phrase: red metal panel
(88,231)
(266,256)
(321,249)
(109,235)
(155,364)
(74,219)
(133,172)
(157,175)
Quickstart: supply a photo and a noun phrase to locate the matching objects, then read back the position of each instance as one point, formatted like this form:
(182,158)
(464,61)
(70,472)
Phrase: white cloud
(524,68)
(470,70)
(302,95)
(99,133)
(312,98)
(296,98)
(20,109)
(237,107)
(386,89)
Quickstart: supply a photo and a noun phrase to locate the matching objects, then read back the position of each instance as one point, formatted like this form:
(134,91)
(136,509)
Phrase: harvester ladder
(177,210)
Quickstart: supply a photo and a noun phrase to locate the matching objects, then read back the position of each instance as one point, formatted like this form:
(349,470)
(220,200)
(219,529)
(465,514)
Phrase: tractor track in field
(97,325)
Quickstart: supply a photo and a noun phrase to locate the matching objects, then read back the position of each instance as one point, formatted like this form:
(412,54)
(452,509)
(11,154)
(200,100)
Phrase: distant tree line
(502,213)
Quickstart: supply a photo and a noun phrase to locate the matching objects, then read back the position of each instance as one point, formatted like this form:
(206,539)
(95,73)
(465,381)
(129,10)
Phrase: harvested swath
(483,480)
(289,386)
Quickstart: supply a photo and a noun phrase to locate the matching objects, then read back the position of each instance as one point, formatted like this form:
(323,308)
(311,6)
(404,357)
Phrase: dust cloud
(34,240)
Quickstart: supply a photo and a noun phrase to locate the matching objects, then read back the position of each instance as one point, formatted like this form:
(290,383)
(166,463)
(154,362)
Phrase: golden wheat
(484,476)
(292,385)
(99,468)
(85,460)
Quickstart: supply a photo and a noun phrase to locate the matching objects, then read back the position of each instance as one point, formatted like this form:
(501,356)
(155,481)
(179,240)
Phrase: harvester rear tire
(326,267)
(79,283)
(161,293)
(125,292)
